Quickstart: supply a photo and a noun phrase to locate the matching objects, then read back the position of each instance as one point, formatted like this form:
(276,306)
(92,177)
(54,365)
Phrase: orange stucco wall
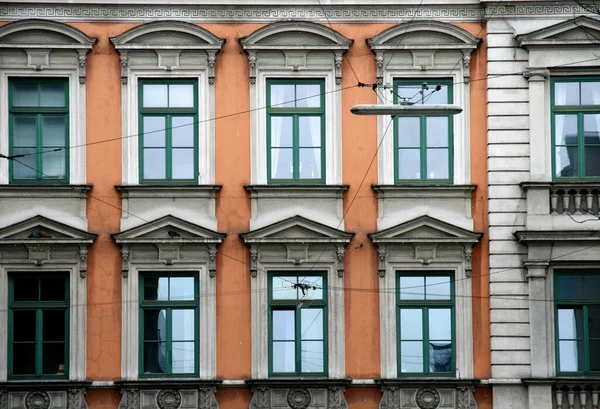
(359,148)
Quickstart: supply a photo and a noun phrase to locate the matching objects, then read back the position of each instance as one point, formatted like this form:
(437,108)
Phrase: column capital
(536,74)
(536,269)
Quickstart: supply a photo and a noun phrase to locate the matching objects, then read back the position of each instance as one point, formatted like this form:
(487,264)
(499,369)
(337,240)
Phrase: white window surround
(73,244)
(133,45)
(422,50)
(36,61)
(286,54)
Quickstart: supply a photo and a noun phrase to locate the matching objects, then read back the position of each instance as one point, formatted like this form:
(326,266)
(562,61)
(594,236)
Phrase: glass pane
(591,125)
(52,95)
(595,355)
(282,288)
(411,288)
(25,167)
(183,163)
(410,93)
(155,96)
(566,93)
(593,321)
(155,357)
(182,288)
(438,288)
(411,324)
(409,164)
(283,325)
(316,293)
(437,132)
(282,131)
(24,325)
(282,164)
(284,357)
(570,356)
(590,93)
(282,96)
(156,288)
(53,131)
(436,97)
(411,357)
(24,133)
(569,286)
(440,356)
(592,161)
(183,131)
(570,324)
(25,94)
(308,96)
(181,96)
(154,163)
(311,323)
(53,358)
(566,161)
(310,131)
(25,289)
(183,326)
(23,359)
(155,325)
(53,289)
(409,132)
(183,357)
(54,164)
(310,163)
(437,164)
(440,324)
(591,283)
(565,129)
(53,325)
(154,132)
(312,356)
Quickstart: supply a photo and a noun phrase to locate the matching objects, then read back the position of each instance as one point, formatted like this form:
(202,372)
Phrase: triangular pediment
(42,229)
(173,34)
(295,34)
(296,229)
(425,229)
(578,31)
(168,229)
(34,32)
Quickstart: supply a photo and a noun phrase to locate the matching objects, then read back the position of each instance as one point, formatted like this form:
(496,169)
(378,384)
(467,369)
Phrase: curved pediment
(581,30)
(172,34)
(424,35)
(35,33)
(295,35)
(296,229)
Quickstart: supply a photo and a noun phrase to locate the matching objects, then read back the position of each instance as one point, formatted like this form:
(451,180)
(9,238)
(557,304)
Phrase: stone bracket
(170,396)
(412,395)
(298,396)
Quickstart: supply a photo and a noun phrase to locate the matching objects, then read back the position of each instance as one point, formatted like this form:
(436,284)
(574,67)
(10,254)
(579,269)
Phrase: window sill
(305,382)
(172,190)
(43,384)
(169,382)
(44,190)
(296,190)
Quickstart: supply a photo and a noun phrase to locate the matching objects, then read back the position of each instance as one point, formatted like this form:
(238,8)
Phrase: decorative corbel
(252,66)
(261,398)
(124,64)
(83,252)
(130,398)
(3,399)
(76,399)
(82,60)
(390,398)
(212,58)
(253,261)
(212,261)
(125,262)
(206,398)
(340,253)
(379,61)
(536,74)
(335,398)
(465,398)
(338,67)
(468,256)
(467,65)
(382,253)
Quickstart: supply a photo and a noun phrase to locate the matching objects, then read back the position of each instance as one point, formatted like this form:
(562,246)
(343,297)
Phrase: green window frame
(39,128)
(575,123)
(295,113)
(419,141)
(169,324)
(294,332)
(425,322)
(168,123)
(577,322)
(38,326)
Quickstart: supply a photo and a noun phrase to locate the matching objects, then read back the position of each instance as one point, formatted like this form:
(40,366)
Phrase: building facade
(191,216)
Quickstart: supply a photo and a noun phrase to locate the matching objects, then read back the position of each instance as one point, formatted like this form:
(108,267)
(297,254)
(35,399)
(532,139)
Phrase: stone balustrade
(577,395)
(575,199)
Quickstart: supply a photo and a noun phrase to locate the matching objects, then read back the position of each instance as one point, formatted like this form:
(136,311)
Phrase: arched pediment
(295,35)
(424,35)
(35,33)
(581,30)
(172,34)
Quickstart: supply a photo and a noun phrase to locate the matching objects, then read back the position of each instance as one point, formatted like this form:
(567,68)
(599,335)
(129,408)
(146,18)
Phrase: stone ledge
(293,191)
(43,384)
(427,381)
(168,191)
(164,383)
(307,382)
(45,190)
(422,191)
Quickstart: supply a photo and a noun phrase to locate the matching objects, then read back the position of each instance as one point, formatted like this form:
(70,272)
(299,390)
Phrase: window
(423,144)
(168,125)
(296,130)
(38,326)
(39,122)
(298,335)
(576,127)
(577,303)
(169,324)
(425,324)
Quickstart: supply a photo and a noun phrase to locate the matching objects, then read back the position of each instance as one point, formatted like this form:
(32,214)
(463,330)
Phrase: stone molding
(536,74)
(44,191)
(169,394)
(298,394)
(43,395)
(550,36)
(423,393)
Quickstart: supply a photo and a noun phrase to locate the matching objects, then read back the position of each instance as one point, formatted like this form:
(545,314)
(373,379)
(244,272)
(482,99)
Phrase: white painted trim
(130,116)
(77,117)
(77,314)
(258,120)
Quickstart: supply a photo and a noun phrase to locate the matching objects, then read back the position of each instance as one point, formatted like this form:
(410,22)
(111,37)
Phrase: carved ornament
(260,398)
(299,398)
(253,261)
(212,261)
(37,400)
(168,399)
(335,398)
(125,261)
(427,398)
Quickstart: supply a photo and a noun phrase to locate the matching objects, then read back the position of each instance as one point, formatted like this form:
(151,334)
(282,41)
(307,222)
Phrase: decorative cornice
(548,10)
